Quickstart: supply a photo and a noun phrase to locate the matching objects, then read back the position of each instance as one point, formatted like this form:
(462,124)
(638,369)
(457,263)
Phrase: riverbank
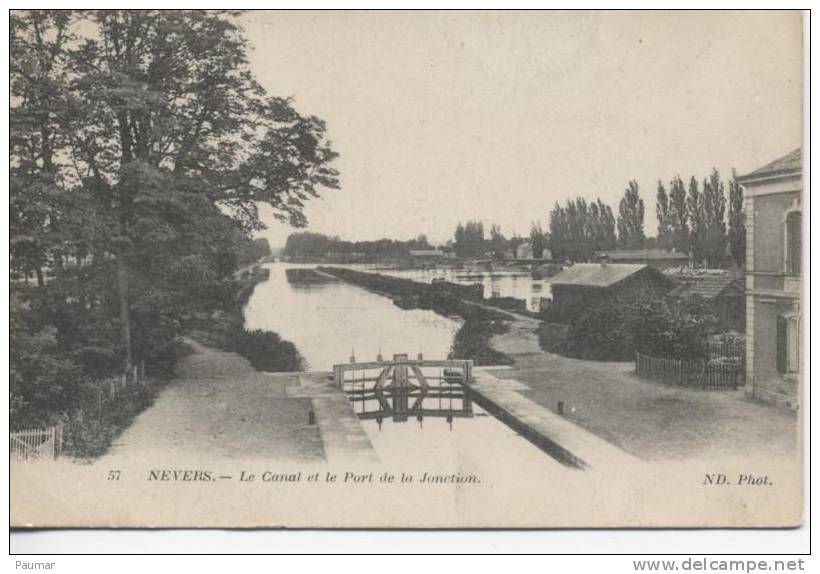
(219,408)
(226,330)
(648,420)
(480,321)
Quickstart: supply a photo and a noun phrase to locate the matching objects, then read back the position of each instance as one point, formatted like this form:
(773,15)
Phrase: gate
(33,444)
(402,388)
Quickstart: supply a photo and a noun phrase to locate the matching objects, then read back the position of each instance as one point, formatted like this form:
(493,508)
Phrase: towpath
(649,420)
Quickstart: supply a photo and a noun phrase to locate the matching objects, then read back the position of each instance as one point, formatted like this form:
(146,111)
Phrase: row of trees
(579,229)
(694,222)
(469,241)
(140,146)
(310,245)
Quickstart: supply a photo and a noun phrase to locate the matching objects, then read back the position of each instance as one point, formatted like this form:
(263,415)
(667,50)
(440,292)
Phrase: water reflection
(328,320)
(518,284)
(404,391)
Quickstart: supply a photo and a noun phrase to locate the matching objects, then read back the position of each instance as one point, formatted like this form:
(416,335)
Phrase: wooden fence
(35,444)
(716,374)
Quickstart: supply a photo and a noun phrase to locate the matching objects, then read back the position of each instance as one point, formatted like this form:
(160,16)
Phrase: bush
(267,351)
(649,325)
(472,341)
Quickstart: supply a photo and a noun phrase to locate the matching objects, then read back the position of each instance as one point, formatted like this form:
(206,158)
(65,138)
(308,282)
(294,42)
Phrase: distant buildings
(657,258)
(524,251)
(774,246)
(427,255)
(581,286)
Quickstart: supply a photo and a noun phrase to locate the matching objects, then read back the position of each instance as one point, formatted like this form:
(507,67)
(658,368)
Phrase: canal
(327,321)
(518,284)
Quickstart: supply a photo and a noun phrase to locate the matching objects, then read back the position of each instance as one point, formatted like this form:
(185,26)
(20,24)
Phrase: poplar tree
(664,215)
(737,221)
(696,215)
(630,219)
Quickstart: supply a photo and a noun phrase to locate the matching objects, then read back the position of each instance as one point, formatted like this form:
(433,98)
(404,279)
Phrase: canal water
(330,320)
(518,284)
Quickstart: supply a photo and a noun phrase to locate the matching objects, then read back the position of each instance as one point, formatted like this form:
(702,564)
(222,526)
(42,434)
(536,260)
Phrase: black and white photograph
(406,269)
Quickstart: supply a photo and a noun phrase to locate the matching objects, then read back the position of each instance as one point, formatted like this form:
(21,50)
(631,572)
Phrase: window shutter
(794,222)
(782,328)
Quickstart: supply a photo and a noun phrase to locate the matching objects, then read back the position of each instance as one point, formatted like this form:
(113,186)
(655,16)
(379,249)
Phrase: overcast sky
(443,117)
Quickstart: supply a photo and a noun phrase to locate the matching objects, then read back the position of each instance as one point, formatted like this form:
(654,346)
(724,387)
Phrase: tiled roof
(706,286)
(642,254)
(789,163)
(596,274)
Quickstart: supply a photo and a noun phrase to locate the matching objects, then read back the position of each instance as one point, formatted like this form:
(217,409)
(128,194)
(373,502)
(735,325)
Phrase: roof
(642,254)
(707,286)
(789,164)
(426,253)
(597,274)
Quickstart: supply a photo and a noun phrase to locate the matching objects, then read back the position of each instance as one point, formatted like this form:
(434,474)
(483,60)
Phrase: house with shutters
(774,248)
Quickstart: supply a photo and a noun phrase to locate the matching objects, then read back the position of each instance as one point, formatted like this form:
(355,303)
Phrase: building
(427,254)
(774,279)
(581,286)
(721,292)
(657,258)
(524,250)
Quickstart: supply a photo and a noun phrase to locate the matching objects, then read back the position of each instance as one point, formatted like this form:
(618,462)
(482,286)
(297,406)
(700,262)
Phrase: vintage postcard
(422,269)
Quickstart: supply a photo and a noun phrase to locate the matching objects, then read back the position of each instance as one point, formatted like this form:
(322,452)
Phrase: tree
(163,128)
(580,229)
(737,221)
(630,218)
(678,216)
(714,208)
(558,233)
(537,240)
(696,215)
(469,240)
(497,243)
(665,225)
(37,84)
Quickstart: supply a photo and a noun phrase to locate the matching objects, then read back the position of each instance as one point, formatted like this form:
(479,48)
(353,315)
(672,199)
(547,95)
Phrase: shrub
(267,351)
(649,325)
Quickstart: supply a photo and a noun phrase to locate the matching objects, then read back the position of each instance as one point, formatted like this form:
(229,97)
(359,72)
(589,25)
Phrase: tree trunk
(125,312)
(40,280)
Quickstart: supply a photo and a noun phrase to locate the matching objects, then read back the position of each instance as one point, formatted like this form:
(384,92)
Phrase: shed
(584,285)
(722,293)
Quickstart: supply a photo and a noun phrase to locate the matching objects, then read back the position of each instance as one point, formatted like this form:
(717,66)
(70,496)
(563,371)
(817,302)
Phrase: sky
(441,117)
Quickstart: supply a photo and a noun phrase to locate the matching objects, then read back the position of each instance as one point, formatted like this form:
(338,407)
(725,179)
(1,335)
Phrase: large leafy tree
(155,130)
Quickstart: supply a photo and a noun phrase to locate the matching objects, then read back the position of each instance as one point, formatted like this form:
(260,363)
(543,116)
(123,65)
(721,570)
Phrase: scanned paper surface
(406,269)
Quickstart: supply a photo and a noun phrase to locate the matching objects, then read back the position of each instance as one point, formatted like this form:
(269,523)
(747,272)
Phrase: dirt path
(220,407)
(650,420)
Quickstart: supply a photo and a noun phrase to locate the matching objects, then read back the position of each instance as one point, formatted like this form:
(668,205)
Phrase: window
(788,344)
(794,221)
